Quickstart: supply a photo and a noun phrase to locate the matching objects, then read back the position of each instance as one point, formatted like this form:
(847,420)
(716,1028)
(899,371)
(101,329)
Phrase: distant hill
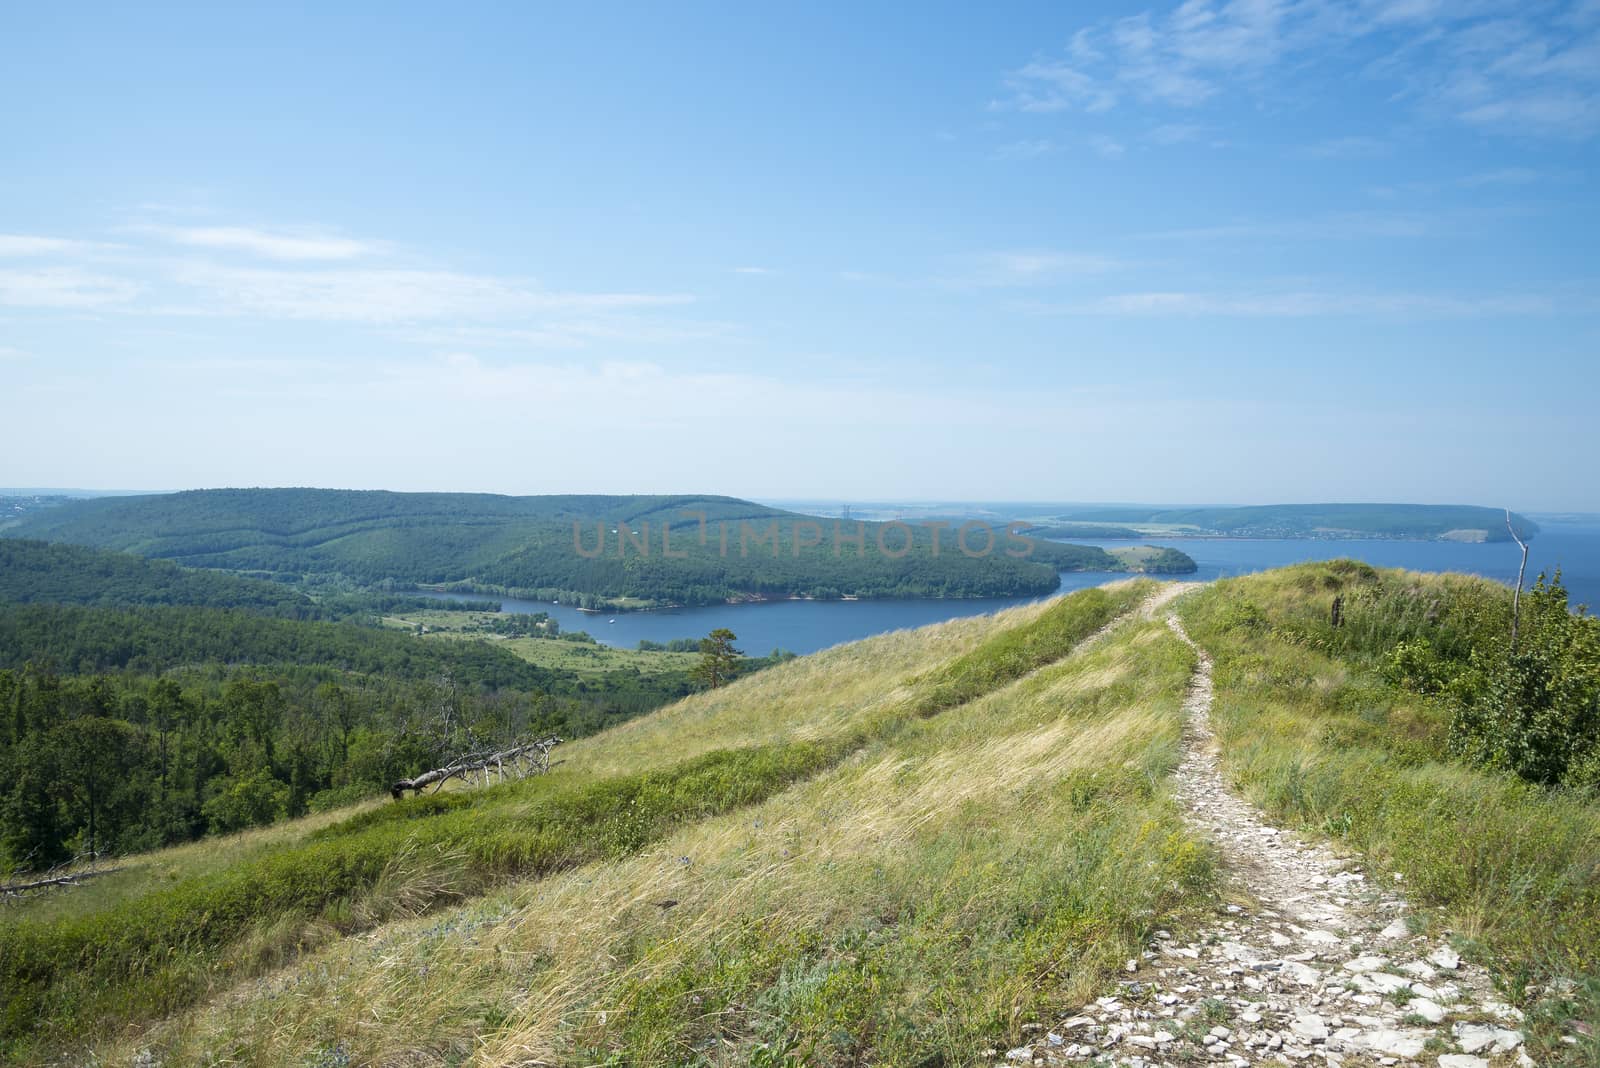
(598,551)
(37,572)
(1426,522)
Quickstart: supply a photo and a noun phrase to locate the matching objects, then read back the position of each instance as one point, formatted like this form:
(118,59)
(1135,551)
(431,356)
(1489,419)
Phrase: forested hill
(40,572)
(596,550)
(1441,522)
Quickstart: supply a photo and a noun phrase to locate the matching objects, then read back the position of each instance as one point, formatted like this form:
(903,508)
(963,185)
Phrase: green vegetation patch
(158,952)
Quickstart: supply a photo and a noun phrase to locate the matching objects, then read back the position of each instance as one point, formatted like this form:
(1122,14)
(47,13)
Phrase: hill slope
(36,572)
(903,851)
(1420,521)
(619,551)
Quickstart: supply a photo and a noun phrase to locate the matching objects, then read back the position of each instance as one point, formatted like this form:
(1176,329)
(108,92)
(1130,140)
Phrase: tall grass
(955,877)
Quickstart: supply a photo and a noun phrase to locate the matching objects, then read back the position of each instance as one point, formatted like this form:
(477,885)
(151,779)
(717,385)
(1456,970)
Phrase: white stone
(1418,969)
(1309,1025)
(1394,1041)
(1384,983)
(1303,974)
(1021,1053)
(1366,964)
(1426,1009)
(1502,1010)
(1461,1060)
(1396,929)
(1446,958)
(1473,1037)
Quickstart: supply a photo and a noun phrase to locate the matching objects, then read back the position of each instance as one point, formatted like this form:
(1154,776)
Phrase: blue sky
(1247,252)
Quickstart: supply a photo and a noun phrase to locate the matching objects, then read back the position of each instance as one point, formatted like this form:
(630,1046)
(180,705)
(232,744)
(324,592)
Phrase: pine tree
(718,657)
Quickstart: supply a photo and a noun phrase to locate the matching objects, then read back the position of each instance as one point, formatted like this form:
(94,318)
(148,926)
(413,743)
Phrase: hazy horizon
(779,500)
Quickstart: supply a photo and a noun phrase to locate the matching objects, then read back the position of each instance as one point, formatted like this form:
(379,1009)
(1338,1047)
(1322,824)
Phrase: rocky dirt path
(1320,967)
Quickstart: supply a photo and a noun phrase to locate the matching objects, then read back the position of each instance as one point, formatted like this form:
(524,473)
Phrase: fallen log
(520,761)
(70,879)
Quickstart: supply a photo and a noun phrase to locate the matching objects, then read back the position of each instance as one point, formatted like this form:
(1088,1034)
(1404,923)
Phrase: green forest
(594,551)
(144,704)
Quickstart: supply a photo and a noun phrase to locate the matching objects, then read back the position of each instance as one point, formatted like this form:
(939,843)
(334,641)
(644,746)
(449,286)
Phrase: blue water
(806,626)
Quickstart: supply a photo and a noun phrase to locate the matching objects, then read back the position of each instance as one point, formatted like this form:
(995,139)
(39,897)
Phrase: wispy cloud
(1503,176)
(63,287)
(1028,267)
(392,295)
(1107,147)
(1353,147)
(1301,304)
(754,270)
(26,246)
(561,333)
(1175,133)
(1531,69)
(1030,148)
(148,276)
(267,244)
(1345,225)
(11,355)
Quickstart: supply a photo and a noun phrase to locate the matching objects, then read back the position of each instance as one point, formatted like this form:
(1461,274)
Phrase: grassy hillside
(531,545)
(1422,521)
(900,851)
(68,976)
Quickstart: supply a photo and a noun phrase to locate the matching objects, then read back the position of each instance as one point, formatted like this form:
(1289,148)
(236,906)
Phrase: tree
(718,657)
(1536,712)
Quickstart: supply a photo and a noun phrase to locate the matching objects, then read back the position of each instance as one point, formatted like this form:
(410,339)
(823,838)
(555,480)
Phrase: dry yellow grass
(884,895)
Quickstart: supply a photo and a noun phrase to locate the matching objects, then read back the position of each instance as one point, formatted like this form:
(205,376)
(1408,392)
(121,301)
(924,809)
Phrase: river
(806,626)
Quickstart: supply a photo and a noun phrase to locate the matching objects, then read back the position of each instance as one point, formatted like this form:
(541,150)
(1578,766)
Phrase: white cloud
(63,287)
(1107,147)
(267,244)
(20,246)
(1029,267)
(11,355)
(1303,304)
(1492,64)
(1026,149)
(1347,225)
(1503,176)
(1354,147)
(577,333)
(1175,133)
(753,270)
(384,296)
(1049,87)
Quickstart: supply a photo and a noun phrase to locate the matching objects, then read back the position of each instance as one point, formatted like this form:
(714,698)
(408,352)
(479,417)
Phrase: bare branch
(1516,597)
(70,879)
(519,761)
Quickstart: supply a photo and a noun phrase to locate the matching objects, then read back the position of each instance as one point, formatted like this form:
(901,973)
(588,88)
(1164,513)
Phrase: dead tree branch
(1516,597)
(517,762)
(57,876)
(73,879)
